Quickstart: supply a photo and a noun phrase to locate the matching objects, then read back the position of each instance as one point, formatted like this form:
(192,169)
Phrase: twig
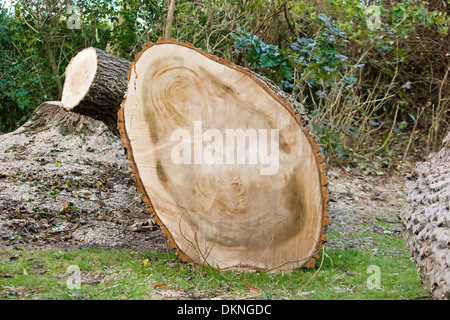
(315,273)
(419,113)
(169,19)
(103,290)
(390,133)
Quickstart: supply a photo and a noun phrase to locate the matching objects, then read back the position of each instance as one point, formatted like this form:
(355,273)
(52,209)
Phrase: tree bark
(222,208)
(50,115)
(426,221)
(52,60)
(95,85)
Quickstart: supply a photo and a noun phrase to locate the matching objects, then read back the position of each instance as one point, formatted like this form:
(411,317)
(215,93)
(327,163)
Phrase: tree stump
(224,163)
(95,84)
(51,115)
(426,221)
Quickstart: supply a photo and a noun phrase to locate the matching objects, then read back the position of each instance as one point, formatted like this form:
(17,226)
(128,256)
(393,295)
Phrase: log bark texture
(95,85)
(50,115)
(426,221)
(215,210)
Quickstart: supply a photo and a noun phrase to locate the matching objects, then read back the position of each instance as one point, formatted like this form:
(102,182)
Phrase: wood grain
(223,214)
(95,85)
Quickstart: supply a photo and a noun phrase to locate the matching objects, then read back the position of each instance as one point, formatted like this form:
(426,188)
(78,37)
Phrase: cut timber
(95,85)
(50,115)
(198,131)
(426,221)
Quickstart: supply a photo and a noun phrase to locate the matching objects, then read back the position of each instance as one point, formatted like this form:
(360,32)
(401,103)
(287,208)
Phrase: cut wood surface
(95,85)
(216,205)
(426,221)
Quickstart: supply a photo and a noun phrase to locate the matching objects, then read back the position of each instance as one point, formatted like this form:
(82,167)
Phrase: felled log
(226,166)
(95,84)
(51,116)
(426,221)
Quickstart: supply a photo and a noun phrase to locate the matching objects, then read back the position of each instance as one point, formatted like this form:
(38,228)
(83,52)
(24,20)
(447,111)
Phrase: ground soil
(68,183)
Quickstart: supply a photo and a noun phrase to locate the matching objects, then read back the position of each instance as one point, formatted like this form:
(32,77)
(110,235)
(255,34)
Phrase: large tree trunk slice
(225,215)
(95,85)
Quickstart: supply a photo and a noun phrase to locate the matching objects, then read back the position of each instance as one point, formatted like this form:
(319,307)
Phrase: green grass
(120,274)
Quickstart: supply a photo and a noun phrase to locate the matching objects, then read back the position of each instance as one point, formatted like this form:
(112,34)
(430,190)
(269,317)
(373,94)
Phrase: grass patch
(121,274)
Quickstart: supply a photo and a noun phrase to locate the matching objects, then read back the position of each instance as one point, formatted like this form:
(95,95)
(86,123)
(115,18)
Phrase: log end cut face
(80,74)
(228,169)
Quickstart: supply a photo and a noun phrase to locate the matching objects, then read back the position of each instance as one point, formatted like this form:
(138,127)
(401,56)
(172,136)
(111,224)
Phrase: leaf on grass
(251,287)
(160,285)
(24,272)
(15,256)
(144,263)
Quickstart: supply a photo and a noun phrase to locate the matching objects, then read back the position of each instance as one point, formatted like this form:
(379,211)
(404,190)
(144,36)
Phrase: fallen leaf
(160,285)
(144,264)
(24,272)
(58,164)
(65,208)
(405,267)
(39,243)
(15,256)
(251,287)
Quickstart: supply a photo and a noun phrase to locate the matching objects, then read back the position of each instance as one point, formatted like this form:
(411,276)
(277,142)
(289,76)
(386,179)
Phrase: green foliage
(276,64)
(328,55)
(341,60)
(21,80)
(321,58)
